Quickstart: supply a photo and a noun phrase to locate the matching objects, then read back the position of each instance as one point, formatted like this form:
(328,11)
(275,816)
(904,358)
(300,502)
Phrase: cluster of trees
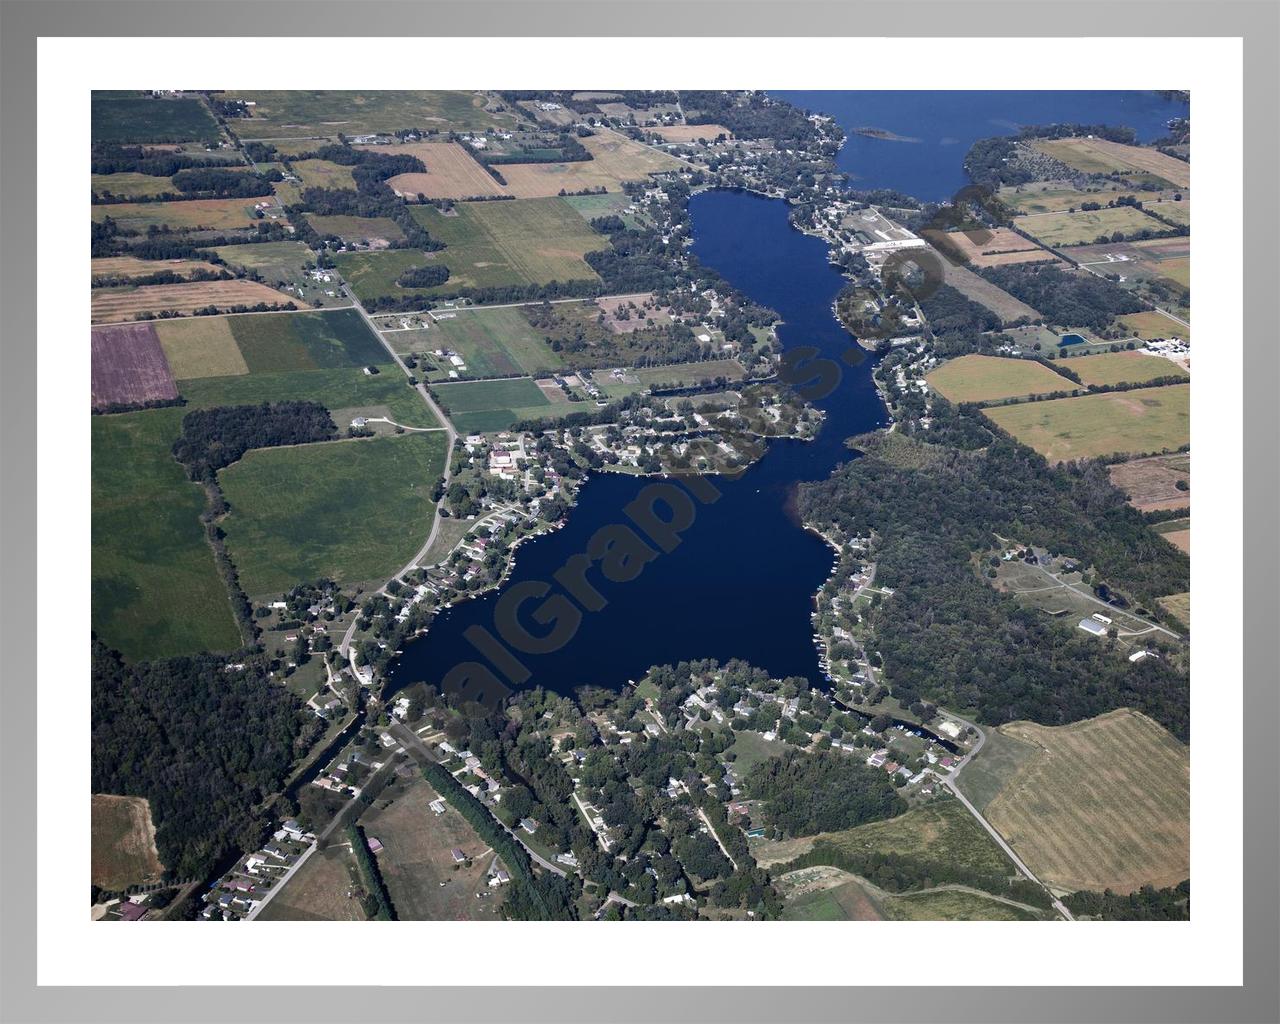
(950,311)
(532,897)
(823,792)
(586,343)
(566,149)
(214,438)
(948,636)
(215,183)
(1147,904)
(1081,300)
(109,158)
(203,744)
(382,908)
(424,277)
(160,277)
(753,116)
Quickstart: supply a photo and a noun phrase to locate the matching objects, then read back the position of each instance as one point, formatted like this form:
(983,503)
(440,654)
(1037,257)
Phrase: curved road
(451,435)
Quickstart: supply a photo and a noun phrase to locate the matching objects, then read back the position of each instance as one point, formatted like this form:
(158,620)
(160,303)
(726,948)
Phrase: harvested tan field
(1152,484)
(615,159)
(123,843)
(111,305)
(992,248)
(1180,539)
(1103,804)
(1100,156)
(1179,606)
(690,132)
(451,172)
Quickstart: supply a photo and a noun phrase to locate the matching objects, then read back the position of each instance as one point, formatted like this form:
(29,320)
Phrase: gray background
(1258,22)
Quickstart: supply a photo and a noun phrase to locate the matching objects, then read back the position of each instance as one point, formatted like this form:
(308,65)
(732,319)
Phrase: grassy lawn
(1122,368)
(943,831)
(750,748)
(127,183)
(1153,325)
(353,511)
(1000,758)
(488,405)
(156,591)
(976,378)
(318,891)
(591,207)
(143,119)
(494,342)
(1085,226)
(953,905)
(1179,606)
(1143,420)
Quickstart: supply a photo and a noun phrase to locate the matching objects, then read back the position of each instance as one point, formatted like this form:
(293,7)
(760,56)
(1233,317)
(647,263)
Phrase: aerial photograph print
(614,505)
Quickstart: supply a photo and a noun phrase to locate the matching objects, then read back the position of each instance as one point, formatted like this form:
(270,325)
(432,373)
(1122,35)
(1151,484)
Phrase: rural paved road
(451,435)
(949,780)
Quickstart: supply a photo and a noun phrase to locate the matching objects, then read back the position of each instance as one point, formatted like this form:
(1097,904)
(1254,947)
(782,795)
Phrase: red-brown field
(1152,483)
(992,248)
(128,366)
(112,305)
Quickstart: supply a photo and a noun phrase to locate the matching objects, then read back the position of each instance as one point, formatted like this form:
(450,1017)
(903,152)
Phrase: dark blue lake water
(948,123)
(741,581)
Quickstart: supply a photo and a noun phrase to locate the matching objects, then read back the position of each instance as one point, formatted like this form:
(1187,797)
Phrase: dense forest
(1065,297)
(215,438)
(947,636)
(204,744)
(823,792)
(1147,904)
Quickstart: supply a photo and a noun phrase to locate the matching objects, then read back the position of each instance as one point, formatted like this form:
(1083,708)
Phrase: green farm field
(143,119)
(611,203)
(1084,226)
(488,405)
(278,262)
(305,341)
(155,589)
(1122,368)
(345,391)
(521,241)
(358,230)
(353,511)
(216,214)
(1060,196)
(294,112)
(373,275)
(1153,325)
(494,342)
(131,185)
(977,378)
(1143,420)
